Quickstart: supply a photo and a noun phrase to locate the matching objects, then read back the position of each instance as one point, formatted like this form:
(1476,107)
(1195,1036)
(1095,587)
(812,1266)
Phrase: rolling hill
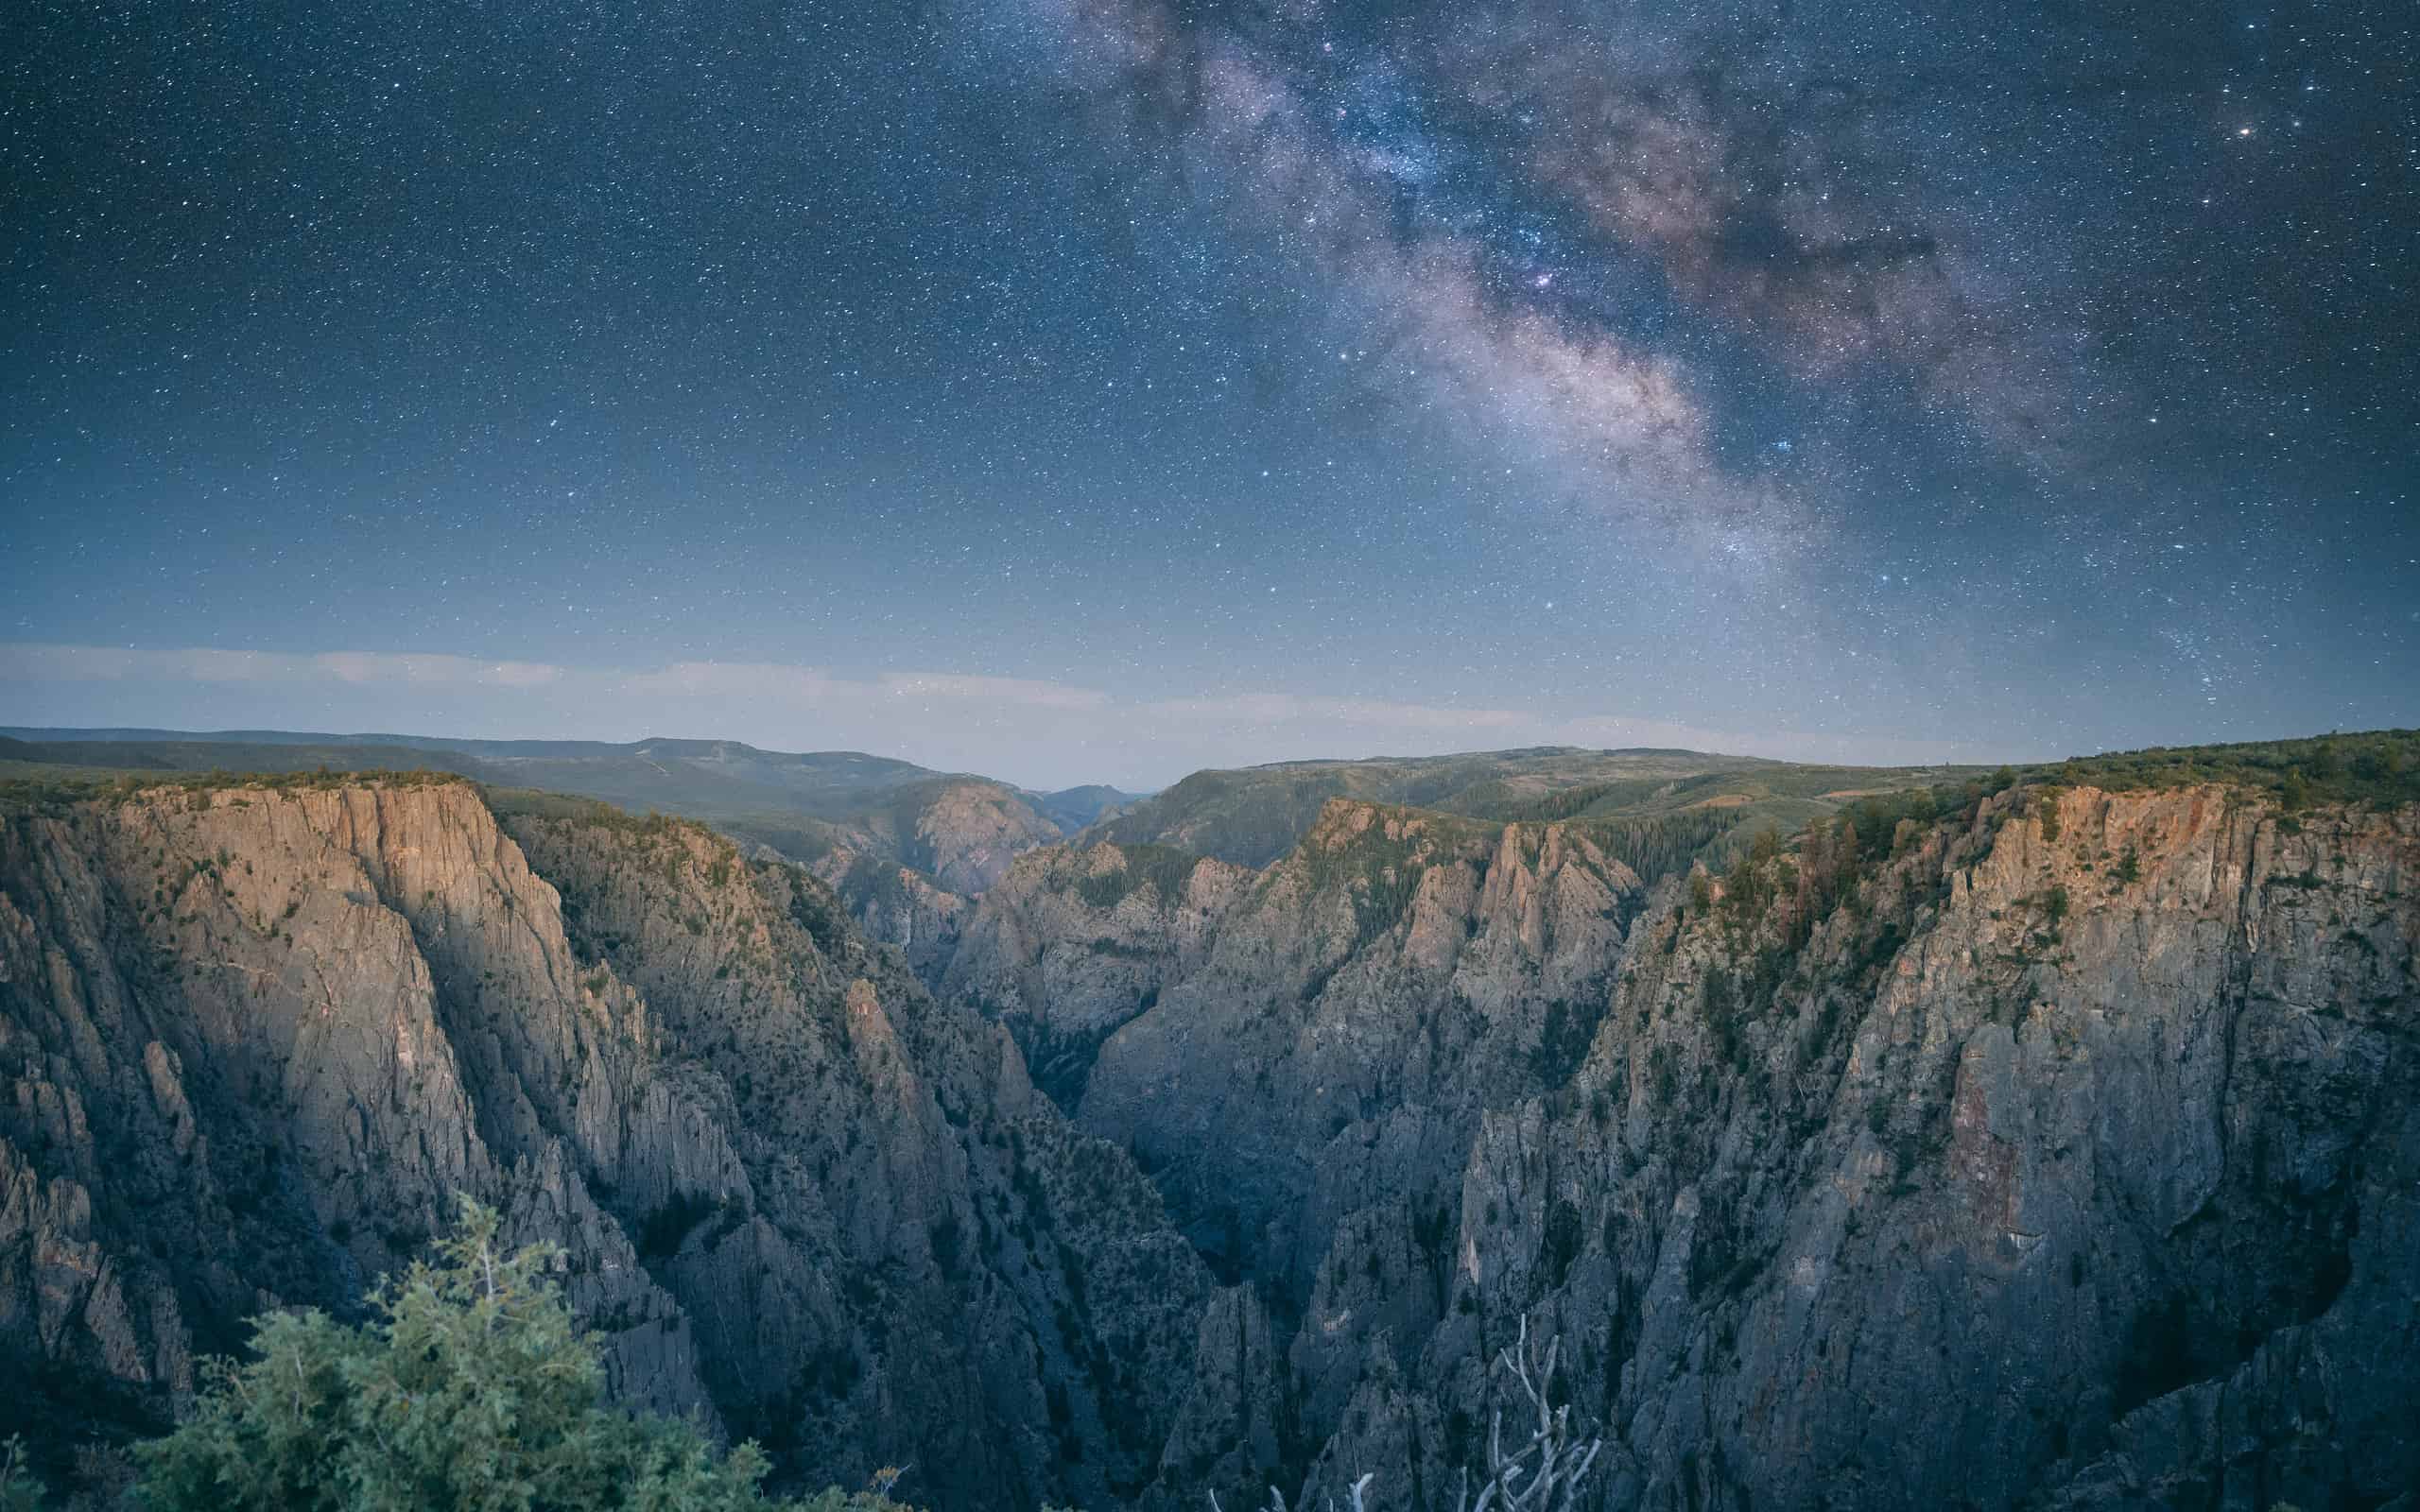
(1254,815)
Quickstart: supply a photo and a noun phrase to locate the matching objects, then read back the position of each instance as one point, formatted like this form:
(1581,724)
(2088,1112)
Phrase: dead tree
(1544,1475)
(1277,1498)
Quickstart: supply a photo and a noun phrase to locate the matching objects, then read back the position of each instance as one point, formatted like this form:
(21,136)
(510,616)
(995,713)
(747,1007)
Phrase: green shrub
(468,1389)
(19,1490)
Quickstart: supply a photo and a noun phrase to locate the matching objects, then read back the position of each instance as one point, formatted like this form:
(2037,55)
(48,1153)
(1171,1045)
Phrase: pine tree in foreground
(469,1390)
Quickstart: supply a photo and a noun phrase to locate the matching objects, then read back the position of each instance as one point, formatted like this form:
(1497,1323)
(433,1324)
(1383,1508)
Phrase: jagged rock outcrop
(254,1039)
(2065,1158)
(1071,944)
(1358,1006)
(2062,1153)
(910,879)
(899,905)
(2068,1161)
(969,831)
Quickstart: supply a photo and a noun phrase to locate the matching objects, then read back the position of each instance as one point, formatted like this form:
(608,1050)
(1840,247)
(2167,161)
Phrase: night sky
(1097,389)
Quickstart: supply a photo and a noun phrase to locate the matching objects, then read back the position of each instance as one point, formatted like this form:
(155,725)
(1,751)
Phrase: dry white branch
(1545,1474)
(1277,1498)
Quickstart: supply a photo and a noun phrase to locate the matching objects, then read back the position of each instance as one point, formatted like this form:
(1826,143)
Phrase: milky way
(1823,377)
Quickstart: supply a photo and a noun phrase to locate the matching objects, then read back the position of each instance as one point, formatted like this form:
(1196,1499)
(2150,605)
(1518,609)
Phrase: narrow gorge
(2061,1150)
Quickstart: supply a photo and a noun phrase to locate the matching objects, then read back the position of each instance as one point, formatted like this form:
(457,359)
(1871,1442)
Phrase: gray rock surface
(1071,944)
(253,1040)
(2067,1158)
(2061,1160)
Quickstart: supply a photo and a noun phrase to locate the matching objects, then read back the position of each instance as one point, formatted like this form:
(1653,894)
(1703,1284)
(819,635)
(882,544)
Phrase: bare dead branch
(1545,1474)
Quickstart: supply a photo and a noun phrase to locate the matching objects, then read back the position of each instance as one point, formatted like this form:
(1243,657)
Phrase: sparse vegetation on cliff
(1766,1060)
(61,789)
(1162,869)
(2380,768)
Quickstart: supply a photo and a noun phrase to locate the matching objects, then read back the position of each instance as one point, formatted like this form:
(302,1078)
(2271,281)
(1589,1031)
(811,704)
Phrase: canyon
(2055,1147)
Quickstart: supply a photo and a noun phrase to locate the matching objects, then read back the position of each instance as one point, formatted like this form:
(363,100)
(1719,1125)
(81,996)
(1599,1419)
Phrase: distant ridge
(508,748)
(842,810)
(1253,815)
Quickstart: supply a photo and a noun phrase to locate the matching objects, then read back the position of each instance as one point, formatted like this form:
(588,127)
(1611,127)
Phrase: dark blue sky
(1088,389)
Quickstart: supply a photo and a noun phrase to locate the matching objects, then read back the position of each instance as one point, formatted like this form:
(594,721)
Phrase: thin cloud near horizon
(1034,731)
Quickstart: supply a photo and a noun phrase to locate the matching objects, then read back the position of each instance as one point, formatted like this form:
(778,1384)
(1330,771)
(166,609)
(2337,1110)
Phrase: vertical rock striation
(2065,1156)
(255,1038)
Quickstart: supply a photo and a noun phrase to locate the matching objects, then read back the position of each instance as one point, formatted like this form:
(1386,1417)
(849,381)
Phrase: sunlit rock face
(2063,1153)
(2077,1134)
(257,1039)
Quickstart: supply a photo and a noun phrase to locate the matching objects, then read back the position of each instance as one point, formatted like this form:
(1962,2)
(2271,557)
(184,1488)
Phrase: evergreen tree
(469,1390)
(19,1490)
(2293,794)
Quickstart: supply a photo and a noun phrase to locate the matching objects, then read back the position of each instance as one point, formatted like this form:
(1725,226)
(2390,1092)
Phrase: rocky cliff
(968,832)
(908,878)
(893,904)
(2061,1152)
(255,1038)
(1359,1004)
(1071,944)
(959,830)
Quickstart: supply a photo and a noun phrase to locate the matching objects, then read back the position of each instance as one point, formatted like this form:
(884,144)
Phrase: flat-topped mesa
(1254,815)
